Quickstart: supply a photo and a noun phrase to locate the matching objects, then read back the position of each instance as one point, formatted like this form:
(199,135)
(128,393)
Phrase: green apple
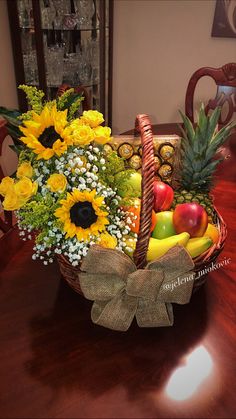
(164,225)
(130,187)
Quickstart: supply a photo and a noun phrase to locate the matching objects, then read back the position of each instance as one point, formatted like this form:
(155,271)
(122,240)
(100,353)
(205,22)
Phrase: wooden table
(56,364)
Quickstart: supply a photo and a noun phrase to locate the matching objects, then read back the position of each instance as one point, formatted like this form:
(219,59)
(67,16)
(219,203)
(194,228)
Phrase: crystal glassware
(85,10)
(54,64)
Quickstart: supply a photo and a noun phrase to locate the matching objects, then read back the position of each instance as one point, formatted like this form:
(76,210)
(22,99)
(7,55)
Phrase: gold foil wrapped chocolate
(107,148)
(135,162)
(165,171)
(125,150)
(157,162)
(166,151)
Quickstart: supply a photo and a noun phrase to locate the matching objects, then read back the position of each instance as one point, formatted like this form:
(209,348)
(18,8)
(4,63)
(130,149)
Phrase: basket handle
(143,126)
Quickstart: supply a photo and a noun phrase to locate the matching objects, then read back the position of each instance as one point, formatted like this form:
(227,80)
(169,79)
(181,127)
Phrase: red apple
(190,217)
(163,196)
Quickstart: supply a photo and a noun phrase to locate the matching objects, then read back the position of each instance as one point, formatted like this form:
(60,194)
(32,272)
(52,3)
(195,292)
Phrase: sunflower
(82,214)
(47,134)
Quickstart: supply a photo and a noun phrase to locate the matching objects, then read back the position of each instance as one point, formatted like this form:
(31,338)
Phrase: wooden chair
(225,79)
(6,219)
(86,103)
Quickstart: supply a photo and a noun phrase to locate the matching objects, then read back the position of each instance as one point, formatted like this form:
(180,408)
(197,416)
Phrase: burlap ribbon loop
(121,292)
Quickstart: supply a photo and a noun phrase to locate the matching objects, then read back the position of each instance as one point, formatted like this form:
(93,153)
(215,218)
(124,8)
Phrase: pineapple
(198,147)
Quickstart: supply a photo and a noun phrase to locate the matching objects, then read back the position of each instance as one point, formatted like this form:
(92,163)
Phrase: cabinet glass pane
(64,42)
(71,45)
(25,13)
(27,34)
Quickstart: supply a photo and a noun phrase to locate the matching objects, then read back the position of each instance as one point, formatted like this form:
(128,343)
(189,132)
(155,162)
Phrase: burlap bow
(120,291)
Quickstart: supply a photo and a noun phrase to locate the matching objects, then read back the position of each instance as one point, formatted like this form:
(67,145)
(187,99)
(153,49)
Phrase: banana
(157,248)
(198,245)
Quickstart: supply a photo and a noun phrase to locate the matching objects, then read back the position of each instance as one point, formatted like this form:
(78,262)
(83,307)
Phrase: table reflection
(185,380)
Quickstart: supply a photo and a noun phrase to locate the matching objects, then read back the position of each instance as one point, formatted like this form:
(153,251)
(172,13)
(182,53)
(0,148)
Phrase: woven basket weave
(202,262)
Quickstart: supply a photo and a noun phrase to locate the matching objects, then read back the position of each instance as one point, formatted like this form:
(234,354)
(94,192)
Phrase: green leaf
(217,141)
(212,123)
(68,99)
(189,127)
(203,122)
(209,169)
(11,113)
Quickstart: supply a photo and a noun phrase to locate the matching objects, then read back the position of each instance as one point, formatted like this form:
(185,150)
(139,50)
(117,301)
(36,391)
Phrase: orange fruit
(134,214)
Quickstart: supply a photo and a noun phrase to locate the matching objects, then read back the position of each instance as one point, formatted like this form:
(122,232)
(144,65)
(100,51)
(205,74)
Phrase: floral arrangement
(64,191)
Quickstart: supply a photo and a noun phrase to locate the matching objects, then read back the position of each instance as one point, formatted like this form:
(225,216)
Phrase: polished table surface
(54,363)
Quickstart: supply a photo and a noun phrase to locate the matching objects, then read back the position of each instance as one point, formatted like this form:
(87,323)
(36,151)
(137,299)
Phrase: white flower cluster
(81,166)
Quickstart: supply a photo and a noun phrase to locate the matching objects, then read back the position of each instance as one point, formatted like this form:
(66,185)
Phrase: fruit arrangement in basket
(120,237)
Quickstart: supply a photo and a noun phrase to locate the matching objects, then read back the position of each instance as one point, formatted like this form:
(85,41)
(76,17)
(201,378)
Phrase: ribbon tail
(154,314)
(116,314)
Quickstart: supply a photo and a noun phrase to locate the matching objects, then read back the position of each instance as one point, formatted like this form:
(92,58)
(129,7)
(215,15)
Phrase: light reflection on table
(185,380)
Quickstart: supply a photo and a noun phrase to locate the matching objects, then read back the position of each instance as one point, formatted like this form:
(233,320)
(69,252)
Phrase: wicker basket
(202,262)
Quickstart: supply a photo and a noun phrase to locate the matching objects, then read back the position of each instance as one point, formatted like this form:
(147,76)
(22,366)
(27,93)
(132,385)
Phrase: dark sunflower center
(48,137)
(82,214)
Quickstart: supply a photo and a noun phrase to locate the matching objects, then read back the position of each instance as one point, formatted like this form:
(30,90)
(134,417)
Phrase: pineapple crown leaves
(198,147)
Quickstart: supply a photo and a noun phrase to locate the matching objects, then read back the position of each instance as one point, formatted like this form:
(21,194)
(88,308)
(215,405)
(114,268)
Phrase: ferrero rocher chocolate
(126,151)
(165,171)
(157,163)
(166,151)
(107,148)
(135,162)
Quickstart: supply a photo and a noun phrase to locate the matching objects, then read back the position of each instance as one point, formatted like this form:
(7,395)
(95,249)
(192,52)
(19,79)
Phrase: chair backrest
(6,219)
(86,103)
(225,79)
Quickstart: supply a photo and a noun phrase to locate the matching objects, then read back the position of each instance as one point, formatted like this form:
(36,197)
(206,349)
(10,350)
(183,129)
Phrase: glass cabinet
(68,42)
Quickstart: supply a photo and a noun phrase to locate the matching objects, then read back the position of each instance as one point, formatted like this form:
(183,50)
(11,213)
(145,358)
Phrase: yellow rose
(83,135)
(25,169)
(76,123)
(57,182)
(12,201)
(25,188)
(92,118)
(6,185)
(102,134)
(106,240)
